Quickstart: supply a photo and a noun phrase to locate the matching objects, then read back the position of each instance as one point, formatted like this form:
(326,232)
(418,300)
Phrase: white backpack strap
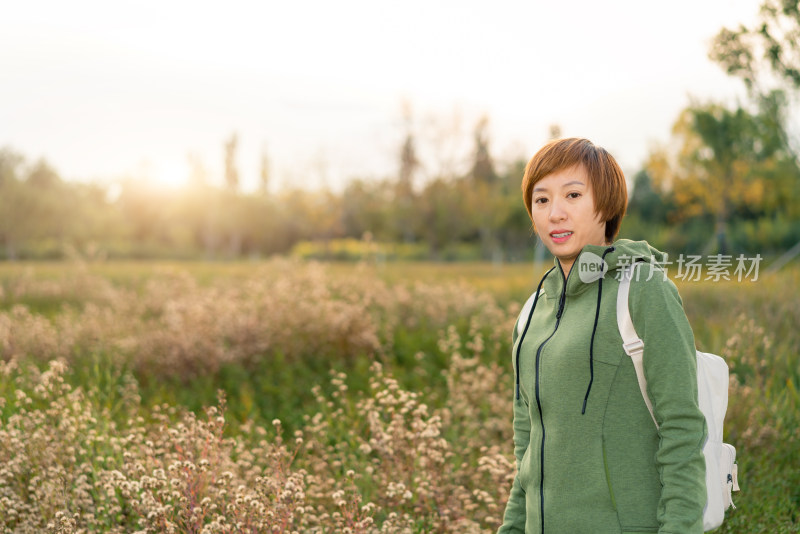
(524,313)
(631,342)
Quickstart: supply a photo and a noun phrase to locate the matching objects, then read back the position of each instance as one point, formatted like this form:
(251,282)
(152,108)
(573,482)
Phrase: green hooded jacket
(589,458)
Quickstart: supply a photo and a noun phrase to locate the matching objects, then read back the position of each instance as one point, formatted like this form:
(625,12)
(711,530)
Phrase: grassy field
(288,396)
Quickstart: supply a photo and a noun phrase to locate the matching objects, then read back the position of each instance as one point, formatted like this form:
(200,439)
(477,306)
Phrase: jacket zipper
(538,399)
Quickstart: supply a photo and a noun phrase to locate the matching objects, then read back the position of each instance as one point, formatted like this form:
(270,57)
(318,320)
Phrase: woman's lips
(560,237)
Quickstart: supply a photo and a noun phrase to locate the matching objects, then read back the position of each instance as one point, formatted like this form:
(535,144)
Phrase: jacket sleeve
(514,516)
(670,367)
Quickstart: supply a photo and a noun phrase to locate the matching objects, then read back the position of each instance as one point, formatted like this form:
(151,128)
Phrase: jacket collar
(575,284)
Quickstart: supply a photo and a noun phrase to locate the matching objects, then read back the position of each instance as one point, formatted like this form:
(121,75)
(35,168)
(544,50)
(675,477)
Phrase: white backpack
(712,389)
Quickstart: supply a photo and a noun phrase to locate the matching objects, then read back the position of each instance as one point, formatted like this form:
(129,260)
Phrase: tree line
(727,181)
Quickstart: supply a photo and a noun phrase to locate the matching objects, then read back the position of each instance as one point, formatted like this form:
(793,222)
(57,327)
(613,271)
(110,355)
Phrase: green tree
(403,210)
(231,172)
(512,225)
(765,56)
(443,214)
(484,198)
(17,206)
(722,163)
(93,223)
(264,172)
(34,207)
(482,169)
(770,48)
(42,176)
(10,163)
(646,201)
(366,205)
(409,164)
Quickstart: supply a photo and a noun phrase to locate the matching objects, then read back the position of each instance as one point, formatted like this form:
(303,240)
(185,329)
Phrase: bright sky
(108,89)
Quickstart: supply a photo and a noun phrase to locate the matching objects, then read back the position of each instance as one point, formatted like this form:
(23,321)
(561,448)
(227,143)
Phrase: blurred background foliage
(727,181)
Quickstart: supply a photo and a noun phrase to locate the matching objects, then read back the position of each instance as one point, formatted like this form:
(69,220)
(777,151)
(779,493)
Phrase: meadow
(289,396)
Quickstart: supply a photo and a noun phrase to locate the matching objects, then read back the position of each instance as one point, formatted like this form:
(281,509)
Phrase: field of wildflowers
(297,397)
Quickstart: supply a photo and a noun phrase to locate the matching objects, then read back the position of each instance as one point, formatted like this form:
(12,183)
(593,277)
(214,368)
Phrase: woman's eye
(573,195)
(540,200)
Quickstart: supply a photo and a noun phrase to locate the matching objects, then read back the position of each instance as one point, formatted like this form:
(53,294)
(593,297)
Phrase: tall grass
(290,396)
(754,325)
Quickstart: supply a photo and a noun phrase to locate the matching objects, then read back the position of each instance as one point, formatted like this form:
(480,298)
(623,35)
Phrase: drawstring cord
(594,330)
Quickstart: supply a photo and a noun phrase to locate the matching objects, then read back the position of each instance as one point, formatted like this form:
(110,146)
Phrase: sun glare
(170,174)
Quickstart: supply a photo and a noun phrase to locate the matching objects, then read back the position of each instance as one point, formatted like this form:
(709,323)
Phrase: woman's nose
(557,212)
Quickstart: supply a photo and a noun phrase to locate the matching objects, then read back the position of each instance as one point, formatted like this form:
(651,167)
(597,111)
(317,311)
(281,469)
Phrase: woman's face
(563,214)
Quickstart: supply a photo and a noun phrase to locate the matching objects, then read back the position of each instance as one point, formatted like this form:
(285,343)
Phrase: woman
(589,458)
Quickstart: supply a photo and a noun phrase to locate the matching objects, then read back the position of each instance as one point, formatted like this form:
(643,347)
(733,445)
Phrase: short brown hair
(606,178)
